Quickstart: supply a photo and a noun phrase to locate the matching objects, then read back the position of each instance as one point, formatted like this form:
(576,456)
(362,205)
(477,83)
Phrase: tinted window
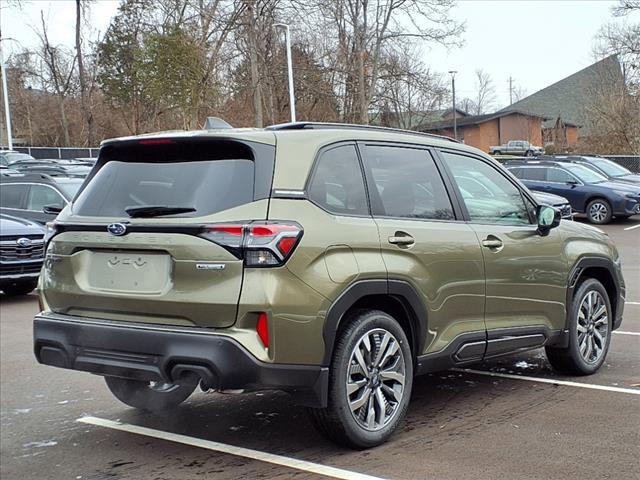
(586,174)
(534,174)
(408,183)
(559,176)
(11,195)
(337,184)
(41,195)
(498,201)
(206,186)
(610,168)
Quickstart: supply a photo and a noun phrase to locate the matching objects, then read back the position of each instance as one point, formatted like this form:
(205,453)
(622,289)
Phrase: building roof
(569,98)
(472,120)
(411,120)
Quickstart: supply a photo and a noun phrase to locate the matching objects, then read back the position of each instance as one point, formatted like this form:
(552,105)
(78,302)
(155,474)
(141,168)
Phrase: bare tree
(485,92)
(58,73)
(85,97)
(363,31)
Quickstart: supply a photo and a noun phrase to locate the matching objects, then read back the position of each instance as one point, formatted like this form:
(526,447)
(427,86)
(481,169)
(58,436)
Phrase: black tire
(497,152)
(17,289)
(336,421)
(599,211)
(529,153)
(570,360)
(147,396)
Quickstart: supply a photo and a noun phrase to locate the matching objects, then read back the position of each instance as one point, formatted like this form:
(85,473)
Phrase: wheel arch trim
(399,289)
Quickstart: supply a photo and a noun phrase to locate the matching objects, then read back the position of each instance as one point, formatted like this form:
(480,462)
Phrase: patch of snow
(524,364)
(21,410)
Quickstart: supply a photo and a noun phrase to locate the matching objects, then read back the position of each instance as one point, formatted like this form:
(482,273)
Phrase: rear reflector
(263,329)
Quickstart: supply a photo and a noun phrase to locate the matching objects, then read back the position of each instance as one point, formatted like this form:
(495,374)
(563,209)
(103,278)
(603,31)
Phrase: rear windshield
(207,186)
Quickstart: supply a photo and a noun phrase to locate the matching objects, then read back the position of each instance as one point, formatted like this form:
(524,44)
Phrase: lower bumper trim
(167,356)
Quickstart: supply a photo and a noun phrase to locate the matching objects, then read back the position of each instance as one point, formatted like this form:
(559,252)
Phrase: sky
(537,42)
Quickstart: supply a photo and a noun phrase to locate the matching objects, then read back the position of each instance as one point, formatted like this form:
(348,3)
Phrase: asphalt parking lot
(461,424)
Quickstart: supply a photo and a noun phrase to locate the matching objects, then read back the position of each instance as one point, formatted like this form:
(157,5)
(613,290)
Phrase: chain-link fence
(59,152)
(631,162)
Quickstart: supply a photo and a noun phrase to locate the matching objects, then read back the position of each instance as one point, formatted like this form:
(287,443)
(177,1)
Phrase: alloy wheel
(598,212)
(593,326)
(376,379)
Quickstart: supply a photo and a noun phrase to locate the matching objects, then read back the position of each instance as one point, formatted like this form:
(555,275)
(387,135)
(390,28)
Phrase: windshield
(585,174)
(205,187)
(610,168)
(70,187)
(17,157)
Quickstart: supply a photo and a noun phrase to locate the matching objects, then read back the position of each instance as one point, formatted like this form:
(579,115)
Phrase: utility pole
(292,100)
(455,114)
(5,92)
(510,90)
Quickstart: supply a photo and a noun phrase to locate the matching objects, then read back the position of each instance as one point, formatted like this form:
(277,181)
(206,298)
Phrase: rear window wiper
(156,210)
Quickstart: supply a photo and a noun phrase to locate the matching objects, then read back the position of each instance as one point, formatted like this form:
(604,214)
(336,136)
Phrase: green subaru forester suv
(333,262)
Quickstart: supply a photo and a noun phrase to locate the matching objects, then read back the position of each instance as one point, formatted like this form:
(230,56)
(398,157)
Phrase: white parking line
(302,465)
(552,381)
(632,303)
(626,333)
(631,228)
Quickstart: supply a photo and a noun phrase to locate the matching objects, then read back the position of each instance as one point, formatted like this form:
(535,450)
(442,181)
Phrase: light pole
(5,92)
(292,99)
(455,115)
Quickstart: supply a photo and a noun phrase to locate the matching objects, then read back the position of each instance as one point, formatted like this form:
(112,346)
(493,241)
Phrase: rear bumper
(146,352)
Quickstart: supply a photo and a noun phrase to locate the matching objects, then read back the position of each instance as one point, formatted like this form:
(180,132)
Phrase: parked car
(21,254)
(26,195)
(587,191)
(51,167)
(555,201)
(333,262)
(474,185)
(610,169)
(7,157)
(517,147)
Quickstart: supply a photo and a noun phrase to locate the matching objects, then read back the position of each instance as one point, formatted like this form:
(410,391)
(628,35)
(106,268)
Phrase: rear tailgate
(162,269)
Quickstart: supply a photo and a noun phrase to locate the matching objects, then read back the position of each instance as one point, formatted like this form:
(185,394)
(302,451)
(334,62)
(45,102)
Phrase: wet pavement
(459,424)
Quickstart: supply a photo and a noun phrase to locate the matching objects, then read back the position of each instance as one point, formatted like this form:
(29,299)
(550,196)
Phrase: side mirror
(573,183)
(52,209)
(548,218)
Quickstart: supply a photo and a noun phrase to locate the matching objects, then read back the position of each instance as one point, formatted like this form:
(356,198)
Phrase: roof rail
(323,125)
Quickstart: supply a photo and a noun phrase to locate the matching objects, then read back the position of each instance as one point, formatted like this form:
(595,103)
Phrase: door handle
(402,238)
(492,242)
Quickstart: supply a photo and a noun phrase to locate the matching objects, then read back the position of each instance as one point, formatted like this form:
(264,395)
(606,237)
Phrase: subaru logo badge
(117,229)
(23,242)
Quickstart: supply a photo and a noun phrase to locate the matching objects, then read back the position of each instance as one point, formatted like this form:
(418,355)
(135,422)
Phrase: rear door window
(407,183)
(11,196)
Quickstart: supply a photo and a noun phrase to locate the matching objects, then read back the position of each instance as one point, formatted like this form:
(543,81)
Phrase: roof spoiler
(215,123)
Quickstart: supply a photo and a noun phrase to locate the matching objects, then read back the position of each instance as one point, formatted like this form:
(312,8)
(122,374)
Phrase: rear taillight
(260,244)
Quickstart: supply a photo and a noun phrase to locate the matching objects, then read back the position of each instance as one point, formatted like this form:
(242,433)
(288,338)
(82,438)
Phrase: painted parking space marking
(626,333)
(631,228)
(632,303)
(303,465)
(552,381)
